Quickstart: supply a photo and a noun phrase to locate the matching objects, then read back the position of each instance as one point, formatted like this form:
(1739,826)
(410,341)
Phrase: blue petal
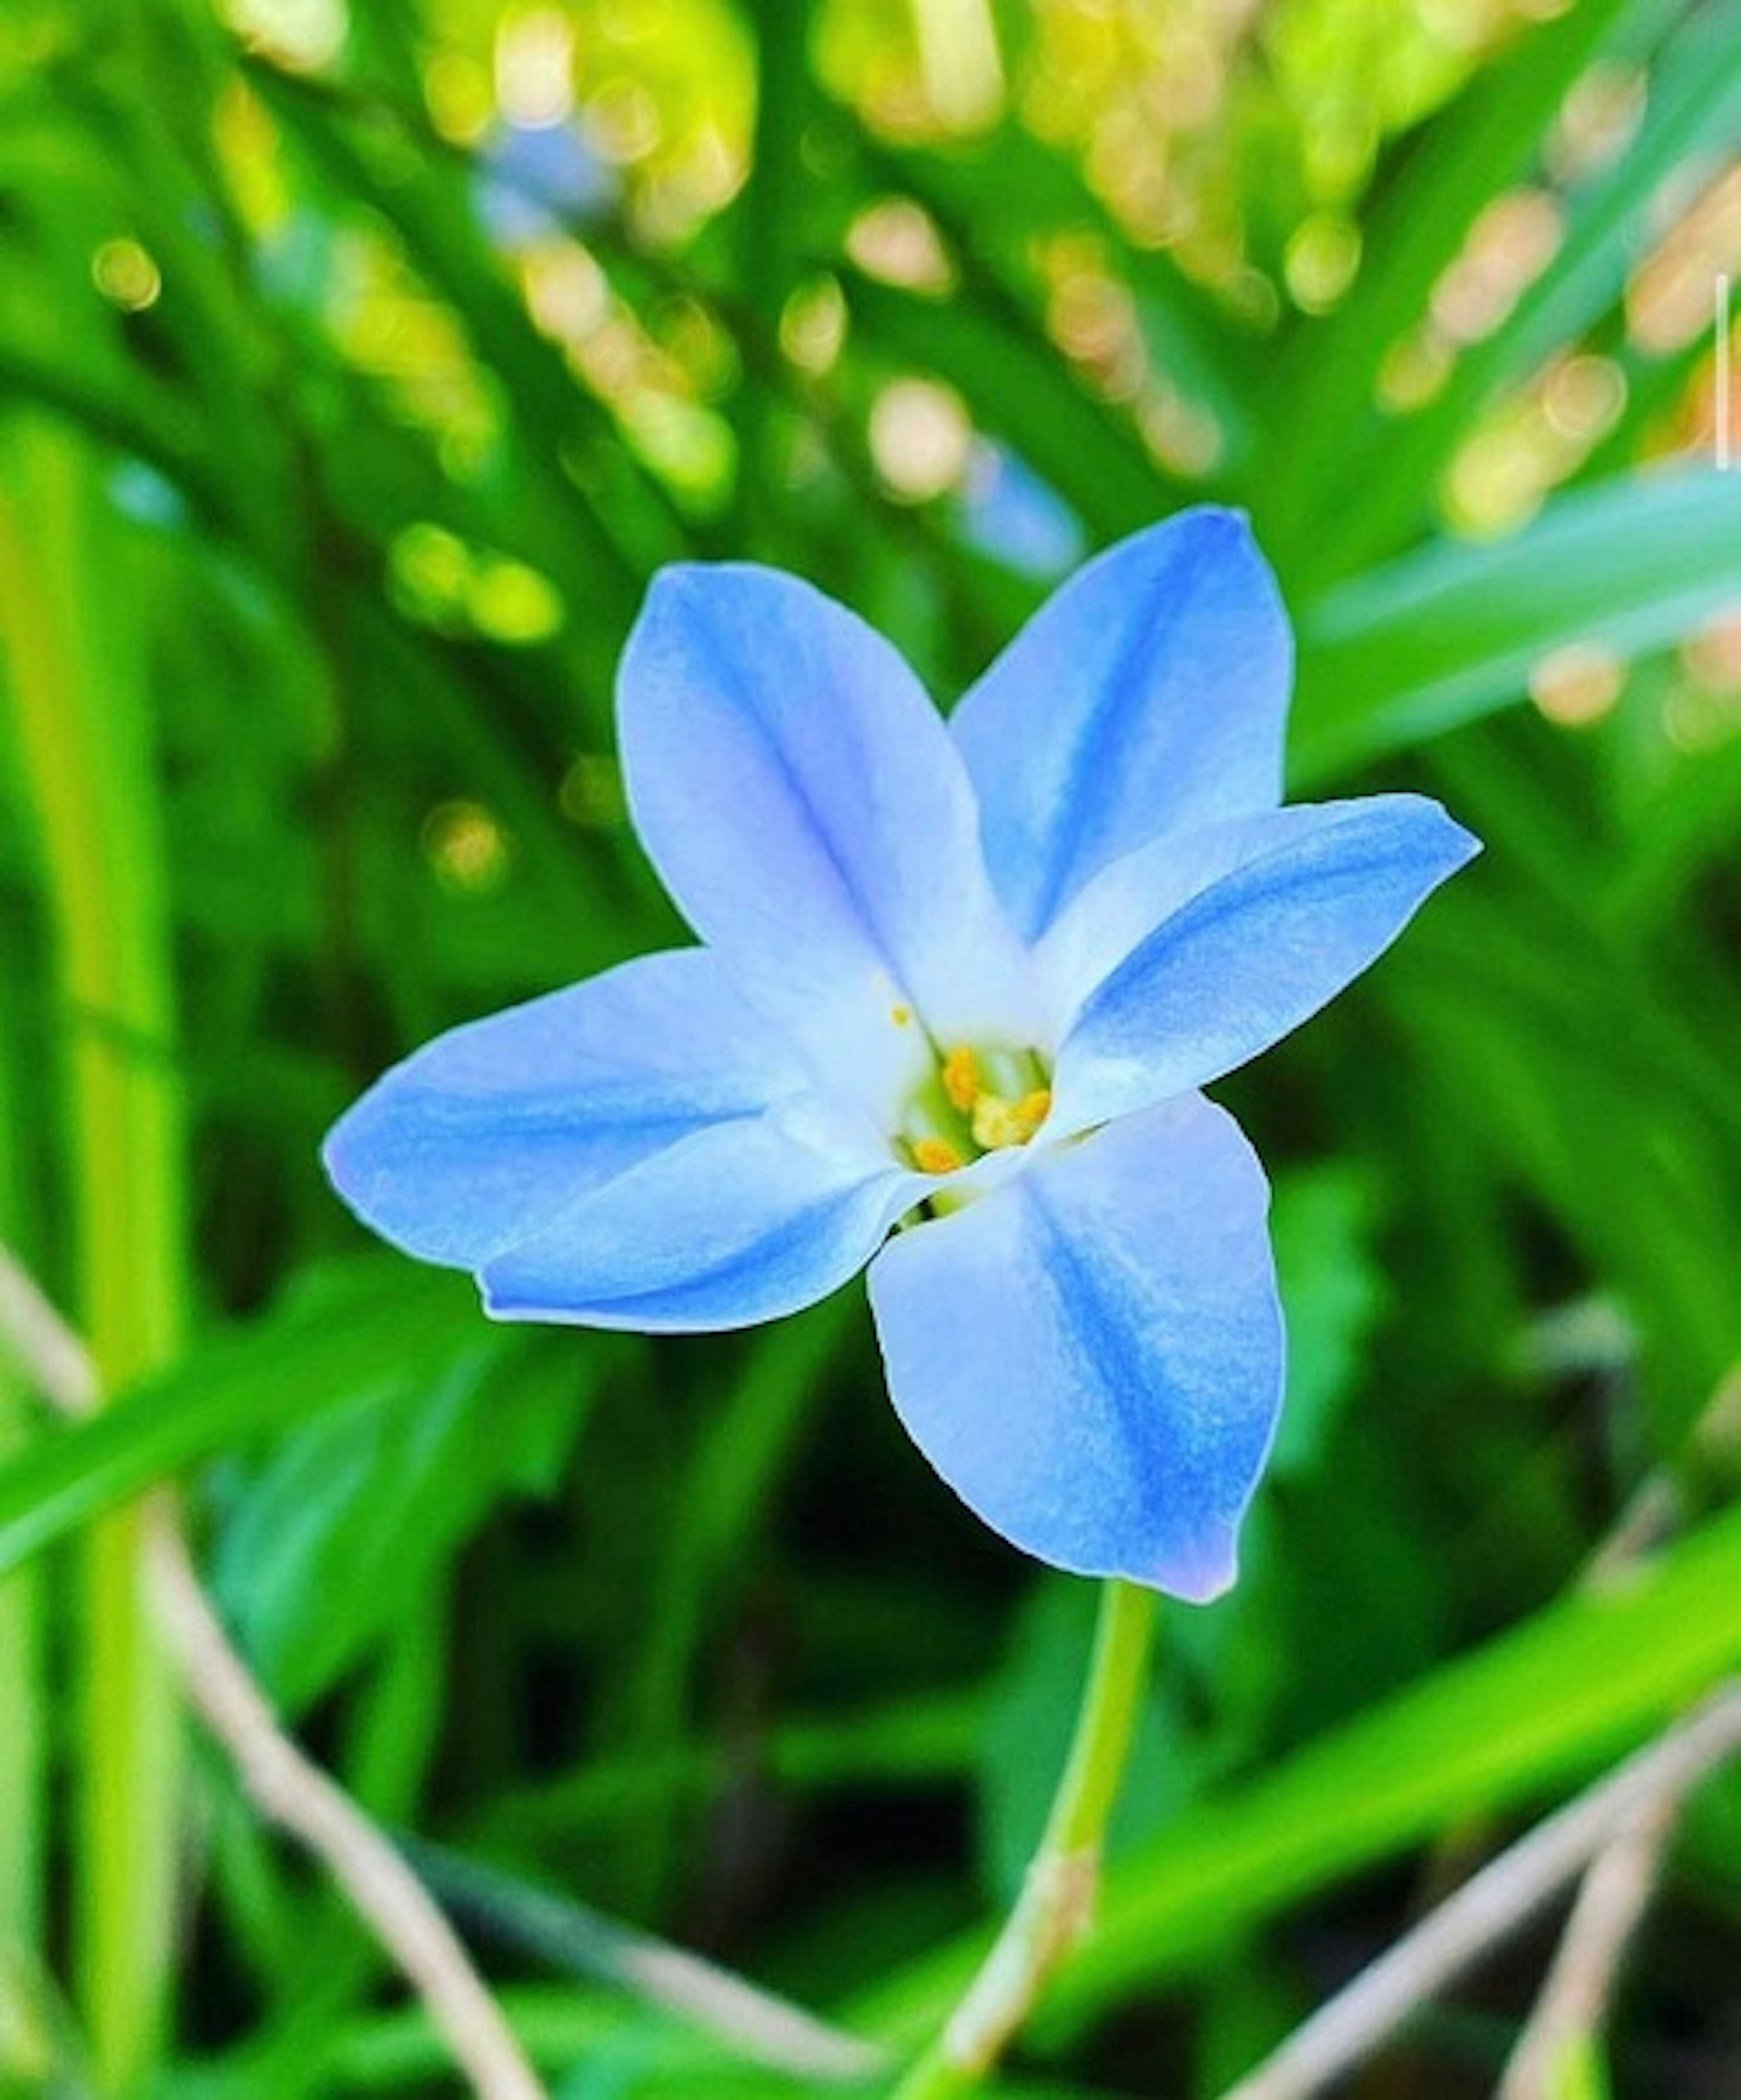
(801,798)
(493,1129)
(1324,892)
(1150,695)
(1130,901)
(1091,1357)
(743,1222)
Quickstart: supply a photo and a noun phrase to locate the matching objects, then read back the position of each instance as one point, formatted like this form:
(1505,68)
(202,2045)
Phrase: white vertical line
(1721,408)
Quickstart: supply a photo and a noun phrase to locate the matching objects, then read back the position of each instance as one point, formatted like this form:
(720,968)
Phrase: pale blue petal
(801,798)
(1091,1357)
(743,1222)
(493,1129)
(1149,695)
(1128,902)
(1259,951)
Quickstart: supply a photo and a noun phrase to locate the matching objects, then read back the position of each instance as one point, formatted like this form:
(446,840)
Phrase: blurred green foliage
(358,365)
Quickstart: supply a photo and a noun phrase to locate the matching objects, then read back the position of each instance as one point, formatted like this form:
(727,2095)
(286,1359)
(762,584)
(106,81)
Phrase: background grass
(357,368)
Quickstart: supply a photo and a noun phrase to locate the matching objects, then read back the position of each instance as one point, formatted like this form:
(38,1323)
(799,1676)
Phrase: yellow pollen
(998,1122)
(931,1155)
(961,1077)
(901,1016)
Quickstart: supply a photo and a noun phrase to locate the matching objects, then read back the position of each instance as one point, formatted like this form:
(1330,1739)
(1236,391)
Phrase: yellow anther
(956,1115)
(998,1123)
(961,1077)
(931,1155)
(1034,1109)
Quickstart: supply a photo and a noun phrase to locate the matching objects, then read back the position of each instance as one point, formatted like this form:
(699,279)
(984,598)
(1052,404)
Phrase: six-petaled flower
(959,988)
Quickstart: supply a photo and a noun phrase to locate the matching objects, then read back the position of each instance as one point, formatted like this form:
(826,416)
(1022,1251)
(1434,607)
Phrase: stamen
(998,1123)
(958,1113)
(1032,1109)
(961,1077)
(931,1155)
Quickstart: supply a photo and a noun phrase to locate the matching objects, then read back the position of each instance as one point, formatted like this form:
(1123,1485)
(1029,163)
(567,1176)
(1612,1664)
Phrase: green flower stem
(81,711)
(1056,1908)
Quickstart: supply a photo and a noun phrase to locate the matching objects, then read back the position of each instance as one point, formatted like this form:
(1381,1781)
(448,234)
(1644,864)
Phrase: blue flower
(958,989)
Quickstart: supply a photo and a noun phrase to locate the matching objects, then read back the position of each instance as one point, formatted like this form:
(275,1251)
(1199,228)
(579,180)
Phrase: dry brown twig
(290,1790)
(1611,1903)
(286,1786)
(1495,1903)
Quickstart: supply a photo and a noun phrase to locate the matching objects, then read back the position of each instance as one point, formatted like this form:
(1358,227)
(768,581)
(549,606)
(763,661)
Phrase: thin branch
(1658,1506)
(1611,1904)
(1497,1903)
(384,1889)
(291,1791)
(56,1362)
(284,1785)
(1615,1893)
(753,2022)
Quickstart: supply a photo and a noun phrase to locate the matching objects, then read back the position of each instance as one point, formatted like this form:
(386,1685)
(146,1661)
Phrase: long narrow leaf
(1693,110)
(1445,635)
(1323,403)
(223,1395)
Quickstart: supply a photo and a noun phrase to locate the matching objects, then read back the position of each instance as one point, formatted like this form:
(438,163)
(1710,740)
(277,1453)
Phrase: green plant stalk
(80,707)
(770,215)
(23,1733)
(22,1653)
(1056,1908)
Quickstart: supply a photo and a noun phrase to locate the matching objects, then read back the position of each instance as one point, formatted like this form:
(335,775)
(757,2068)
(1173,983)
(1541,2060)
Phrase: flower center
(973,1102)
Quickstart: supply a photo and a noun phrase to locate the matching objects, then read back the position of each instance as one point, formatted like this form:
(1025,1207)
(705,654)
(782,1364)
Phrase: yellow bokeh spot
(125,275)
(534,66)
(468,849)
(1577,684)
(921,438)
(452,584)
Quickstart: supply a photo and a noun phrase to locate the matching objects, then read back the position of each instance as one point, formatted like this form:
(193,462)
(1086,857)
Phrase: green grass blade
(1694,111)
(1323,403)
(1442,637)
(230,1390)
(82,716)
(24,1691)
